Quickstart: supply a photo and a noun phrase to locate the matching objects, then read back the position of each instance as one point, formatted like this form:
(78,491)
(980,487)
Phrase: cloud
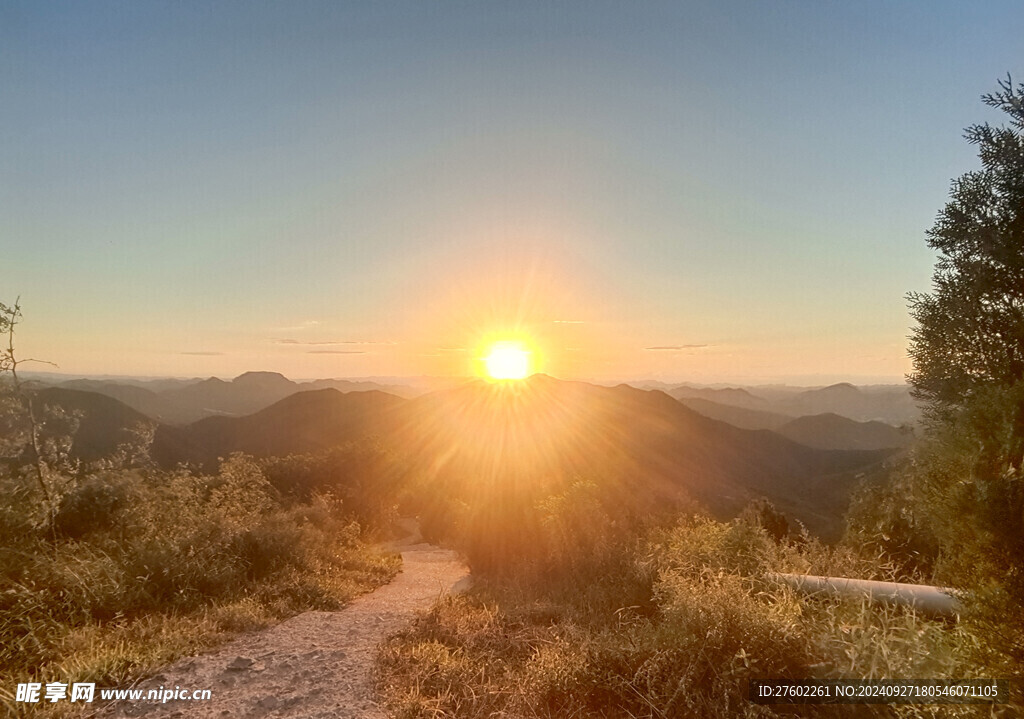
(336,352)
(331,343)
(674,348)
(304,325)
(569,322)
(203,354)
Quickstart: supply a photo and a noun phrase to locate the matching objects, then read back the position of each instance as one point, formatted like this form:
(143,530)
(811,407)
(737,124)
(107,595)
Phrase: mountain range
(891,404)
(652,447)
(180,402)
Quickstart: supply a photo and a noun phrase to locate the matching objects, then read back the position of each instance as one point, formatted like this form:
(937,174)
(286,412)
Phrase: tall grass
(149,565)
(673,625)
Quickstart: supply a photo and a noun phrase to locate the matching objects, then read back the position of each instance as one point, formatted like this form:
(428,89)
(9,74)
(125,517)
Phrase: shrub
(139,548)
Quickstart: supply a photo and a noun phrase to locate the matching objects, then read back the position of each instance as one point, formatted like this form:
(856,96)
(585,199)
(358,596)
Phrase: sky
(684,191)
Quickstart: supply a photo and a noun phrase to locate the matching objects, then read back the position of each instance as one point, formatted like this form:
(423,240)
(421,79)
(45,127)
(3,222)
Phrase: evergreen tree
(970,328)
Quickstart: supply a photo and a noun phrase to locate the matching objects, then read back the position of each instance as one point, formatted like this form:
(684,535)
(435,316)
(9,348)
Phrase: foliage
(365,475)
(111,570)
(139,547)
(965,483)
(970,329)
(678,635)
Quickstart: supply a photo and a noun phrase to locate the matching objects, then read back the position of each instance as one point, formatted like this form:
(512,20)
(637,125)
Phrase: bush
(141,547)
(591,645)
(95,503)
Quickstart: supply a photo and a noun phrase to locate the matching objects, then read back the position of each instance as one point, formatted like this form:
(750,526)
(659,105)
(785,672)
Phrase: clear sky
(356,189)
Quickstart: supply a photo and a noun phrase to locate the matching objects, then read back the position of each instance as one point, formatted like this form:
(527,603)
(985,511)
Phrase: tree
(18,415)
(970,329)
(968,353)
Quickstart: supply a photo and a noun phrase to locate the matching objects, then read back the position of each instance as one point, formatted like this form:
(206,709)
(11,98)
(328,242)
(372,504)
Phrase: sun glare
(507,360)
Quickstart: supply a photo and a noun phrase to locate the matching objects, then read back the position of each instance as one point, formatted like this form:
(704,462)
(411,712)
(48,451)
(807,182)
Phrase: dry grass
(150,566)
(580,647)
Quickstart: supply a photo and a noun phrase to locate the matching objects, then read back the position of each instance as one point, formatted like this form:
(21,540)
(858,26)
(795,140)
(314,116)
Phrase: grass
(670,627)
(149,566)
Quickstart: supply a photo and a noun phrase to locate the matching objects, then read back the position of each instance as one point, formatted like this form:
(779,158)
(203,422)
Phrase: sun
(507,360)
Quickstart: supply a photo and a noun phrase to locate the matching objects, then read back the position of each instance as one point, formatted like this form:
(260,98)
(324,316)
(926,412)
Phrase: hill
(150,403)
(822,431)
(180,402)
(522,442)
(103,423)
(737,416)
(891,404)
(830,431)
(303,422)
(653,447)
(731,396)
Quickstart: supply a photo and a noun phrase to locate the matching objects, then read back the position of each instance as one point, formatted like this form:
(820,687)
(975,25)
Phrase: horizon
(410,380)
(389,190)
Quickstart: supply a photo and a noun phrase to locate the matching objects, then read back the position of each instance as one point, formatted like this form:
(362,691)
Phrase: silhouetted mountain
(891,404)
(737,416)
(184,401)
(822,431)
(543,432)
(245,394)
(544,428)
(830,431)
(345,385)
(103,423)
(731,396)
(303,422)
(888,404)
(142,400)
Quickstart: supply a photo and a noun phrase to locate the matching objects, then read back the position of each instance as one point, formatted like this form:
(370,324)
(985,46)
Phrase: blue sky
(386,185)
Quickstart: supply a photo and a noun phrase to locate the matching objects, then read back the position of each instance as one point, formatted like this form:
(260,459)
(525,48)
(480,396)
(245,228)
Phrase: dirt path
(314,665)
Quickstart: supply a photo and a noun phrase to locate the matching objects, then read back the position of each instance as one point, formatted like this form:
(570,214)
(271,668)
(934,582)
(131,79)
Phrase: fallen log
(933,601)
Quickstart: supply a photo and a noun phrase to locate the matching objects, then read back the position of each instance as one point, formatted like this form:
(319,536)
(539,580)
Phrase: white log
(934,601)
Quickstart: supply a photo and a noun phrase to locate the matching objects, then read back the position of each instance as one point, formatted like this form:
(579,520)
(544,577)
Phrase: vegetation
(608,617)
(970,328)
(961,500)
(672,624)
(111,570)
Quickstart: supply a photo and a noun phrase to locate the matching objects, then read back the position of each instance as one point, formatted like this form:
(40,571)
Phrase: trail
(314,665)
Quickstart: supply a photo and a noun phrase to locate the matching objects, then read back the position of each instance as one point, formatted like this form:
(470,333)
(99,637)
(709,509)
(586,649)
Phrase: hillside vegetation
(665,623)
(111,567)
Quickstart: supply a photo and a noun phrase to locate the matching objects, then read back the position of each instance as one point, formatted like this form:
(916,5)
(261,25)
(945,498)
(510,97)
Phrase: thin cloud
(203,354)
(330,343)
(336,352)
(304,325)
(674,348)
(569,322)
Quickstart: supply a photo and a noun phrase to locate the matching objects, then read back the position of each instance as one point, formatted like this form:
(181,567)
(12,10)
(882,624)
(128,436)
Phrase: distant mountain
(830,431)
(888,404)
(245,394)
(345,385)
(731,396)
(180,402)
(303,422)
(644,447)
(543,428)
(142,400)
(891,404)
(737,416)
(103,423)
(822,431)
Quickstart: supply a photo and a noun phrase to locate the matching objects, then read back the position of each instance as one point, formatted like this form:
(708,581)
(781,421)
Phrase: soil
(314,665)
